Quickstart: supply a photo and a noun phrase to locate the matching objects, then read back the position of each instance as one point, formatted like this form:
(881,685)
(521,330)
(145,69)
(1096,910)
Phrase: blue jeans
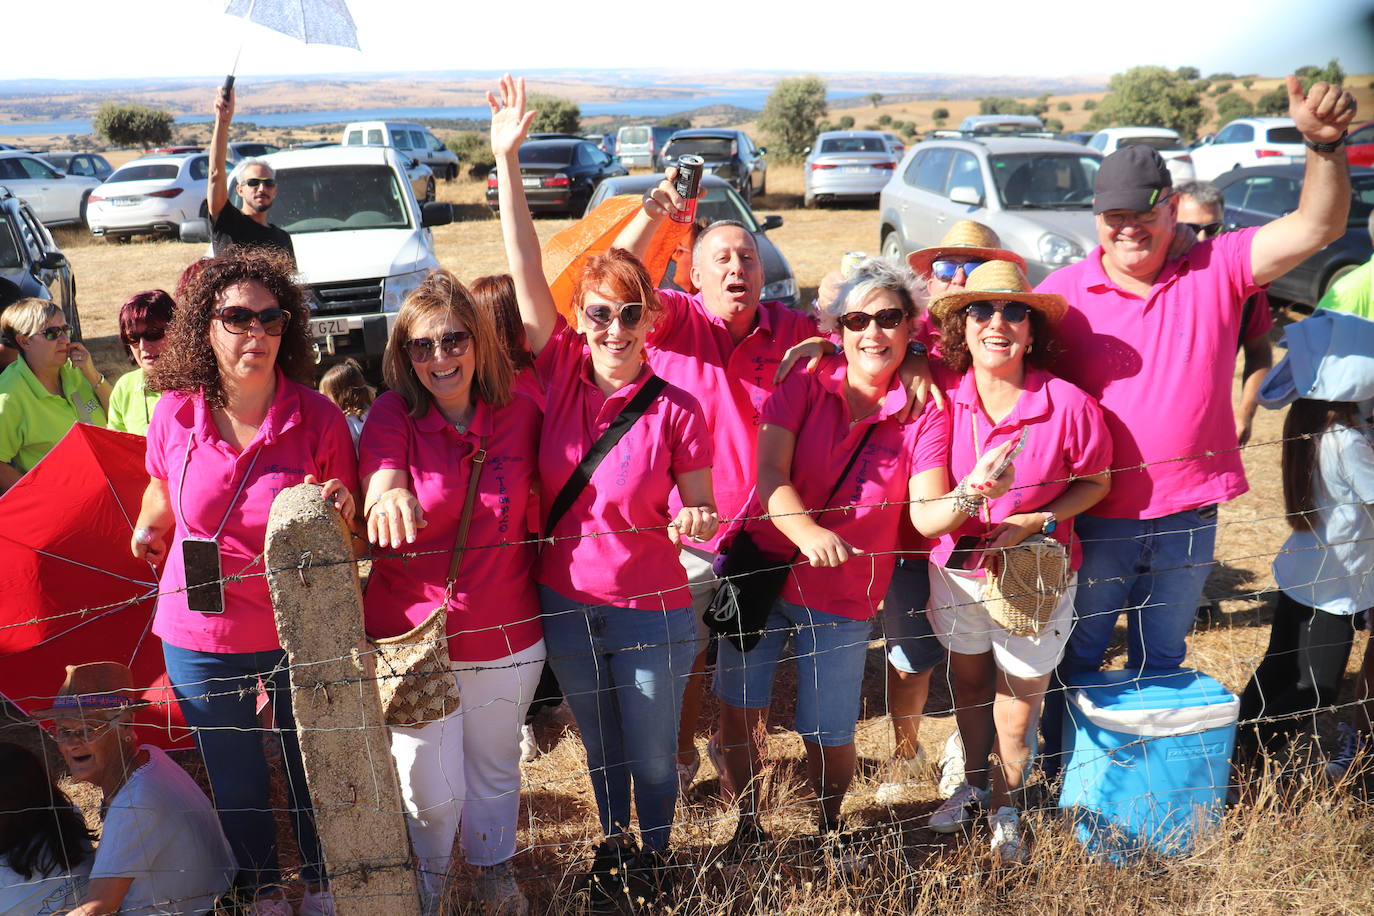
(829,652)
(912,647)
(1153,570)
(623,671)
(217,693)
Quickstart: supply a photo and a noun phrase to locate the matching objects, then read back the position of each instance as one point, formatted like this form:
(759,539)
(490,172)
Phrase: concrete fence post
(348,765)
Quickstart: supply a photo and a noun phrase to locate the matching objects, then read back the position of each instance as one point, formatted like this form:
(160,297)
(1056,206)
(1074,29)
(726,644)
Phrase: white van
(408,139)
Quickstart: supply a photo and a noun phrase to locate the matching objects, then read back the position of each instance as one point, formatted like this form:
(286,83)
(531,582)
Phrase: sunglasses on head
(152,335)
(238,320)
(1014,312)
(265,182)
(945,269)
(421,349)
(887,319)
(600,316)
(1205,229)
(51,334)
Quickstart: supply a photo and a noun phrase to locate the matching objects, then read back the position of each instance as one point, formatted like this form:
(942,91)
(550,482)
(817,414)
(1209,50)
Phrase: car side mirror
(966,195)
(53,260)
(414,163)
(804,152)
(761,150)
(194,230)
(771,222)
(435,213)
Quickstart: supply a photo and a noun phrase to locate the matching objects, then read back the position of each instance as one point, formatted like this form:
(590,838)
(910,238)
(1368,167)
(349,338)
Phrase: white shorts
(963,626)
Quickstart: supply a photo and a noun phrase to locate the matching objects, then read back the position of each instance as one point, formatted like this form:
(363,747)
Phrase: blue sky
(131,38)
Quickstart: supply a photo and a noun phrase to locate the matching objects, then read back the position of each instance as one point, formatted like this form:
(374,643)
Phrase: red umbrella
(72,591)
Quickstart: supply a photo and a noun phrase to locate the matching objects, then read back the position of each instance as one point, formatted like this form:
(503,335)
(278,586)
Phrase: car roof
(1262,122)
(1140,131)
(706,132)
(177,158)
(1005,145)
(1000,119)
(331,155)
(853,133)
(1292,170)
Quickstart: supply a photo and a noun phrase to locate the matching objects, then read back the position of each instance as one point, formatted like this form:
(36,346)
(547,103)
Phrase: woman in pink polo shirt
(617,617)
(238,423)
(1000,337)
(451,406)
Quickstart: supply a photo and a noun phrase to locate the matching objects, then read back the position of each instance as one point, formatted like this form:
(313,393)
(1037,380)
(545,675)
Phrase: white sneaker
(276,905)
(317,903)
(898,775)
(1006,835)
(959,810)
(529,744)
(951,765)
(498,893)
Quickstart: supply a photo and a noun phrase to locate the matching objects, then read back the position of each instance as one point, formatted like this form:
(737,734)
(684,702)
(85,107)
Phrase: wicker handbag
(414,676)
(1024,584)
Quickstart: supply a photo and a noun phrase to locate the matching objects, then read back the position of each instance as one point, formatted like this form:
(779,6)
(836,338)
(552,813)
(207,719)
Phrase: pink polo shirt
(1161,368)
(814,409)
(1066,436)
(304,433)
(495,609)
(598,559)
(692,349)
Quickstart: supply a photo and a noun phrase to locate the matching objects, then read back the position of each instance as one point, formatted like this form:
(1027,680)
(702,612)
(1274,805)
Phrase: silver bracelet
(966,502)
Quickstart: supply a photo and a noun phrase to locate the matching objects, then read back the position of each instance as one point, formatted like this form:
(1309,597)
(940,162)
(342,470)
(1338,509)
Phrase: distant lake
(649,108)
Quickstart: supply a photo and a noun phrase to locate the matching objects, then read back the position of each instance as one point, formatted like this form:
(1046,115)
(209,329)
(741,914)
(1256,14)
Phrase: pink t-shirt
(814,409)
(1161,368)
(692,349)
(304,433)
(597,558)
(1066,437)
(495,609)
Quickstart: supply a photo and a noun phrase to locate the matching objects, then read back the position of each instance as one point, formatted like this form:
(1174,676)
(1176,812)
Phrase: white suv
(408,139)
(1247,142)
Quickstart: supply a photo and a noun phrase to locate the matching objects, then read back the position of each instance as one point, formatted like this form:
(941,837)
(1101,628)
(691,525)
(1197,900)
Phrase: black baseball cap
(1132,178)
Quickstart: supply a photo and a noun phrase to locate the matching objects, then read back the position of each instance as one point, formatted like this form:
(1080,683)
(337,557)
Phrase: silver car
(847,165)
(1036,194)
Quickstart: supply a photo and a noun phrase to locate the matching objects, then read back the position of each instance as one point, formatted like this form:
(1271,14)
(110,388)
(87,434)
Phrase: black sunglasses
(421,349)
(53,333)
(238,320)
(887,319)
(629,314)
(945,270)
(265,182)
(152,335)
(1205,229)
(1014,312)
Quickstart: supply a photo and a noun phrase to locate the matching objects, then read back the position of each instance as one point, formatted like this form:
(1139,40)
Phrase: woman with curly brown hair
(237,424)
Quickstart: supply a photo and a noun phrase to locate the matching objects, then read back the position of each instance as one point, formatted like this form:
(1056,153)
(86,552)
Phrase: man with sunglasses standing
(1153,339)
(247,225)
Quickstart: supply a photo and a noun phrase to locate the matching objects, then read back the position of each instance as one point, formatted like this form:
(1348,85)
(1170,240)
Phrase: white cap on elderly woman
(1330,358)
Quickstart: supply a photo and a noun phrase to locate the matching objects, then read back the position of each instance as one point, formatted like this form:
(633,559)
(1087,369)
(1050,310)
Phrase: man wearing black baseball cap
(1153,339)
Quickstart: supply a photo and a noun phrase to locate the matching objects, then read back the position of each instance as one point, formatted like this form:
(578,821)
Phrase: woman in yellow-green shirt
(143,321)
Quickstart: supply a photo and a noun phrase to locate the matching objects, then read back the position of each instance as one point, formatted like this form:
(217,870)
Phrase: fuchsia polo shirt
(1161,368)
(495,609)
(813,408)
(304,433)
(692,349)
(1066,437)
(598,559)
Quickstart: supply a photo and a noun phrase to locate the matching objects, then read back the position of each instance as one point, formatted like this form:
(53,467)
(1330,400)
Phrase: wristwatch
(1051,523)
(1326,147)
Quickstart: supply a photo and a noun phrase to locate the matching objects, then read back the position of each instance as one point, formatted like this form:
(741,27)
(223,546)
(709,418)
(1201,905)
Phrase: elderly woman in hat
(999,337)
(161,847)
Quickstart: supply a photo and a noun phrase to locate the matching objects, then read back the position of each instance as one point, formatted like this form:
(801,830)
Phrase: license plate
(854,168)
(531,182)
(125,201)
(329,327)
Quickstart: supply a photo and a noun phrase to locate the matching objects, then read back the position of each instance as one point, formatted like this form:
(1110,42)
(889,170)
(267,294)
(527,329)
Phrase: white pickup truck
(362,241)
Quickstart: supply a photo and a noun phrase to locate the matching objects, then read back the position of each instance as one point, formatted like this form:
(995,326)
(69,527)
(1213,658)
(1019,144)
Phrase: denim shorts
(829,652)
(911,644)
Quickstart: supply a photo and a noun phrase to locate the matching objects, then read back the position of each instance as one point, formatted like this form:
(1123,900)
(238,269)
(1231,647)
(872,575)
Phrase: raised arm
(217,192)
(509,123)
(1322,116)
(658,202)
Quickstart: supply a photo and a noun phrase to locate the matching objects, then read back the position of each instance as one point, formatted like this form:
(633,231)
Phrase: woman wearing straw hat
(999,336)
(161,847)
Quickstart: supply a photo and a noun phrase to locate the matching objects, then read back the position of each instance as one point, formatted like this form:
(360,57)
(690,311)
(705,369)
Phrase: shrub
(556,115)
(940,114)
(846,123)
(474,151)
(790,115)
(1089,104)
(1273,102)
(1232,106)
(884,119)
(133,125)
(1063,106)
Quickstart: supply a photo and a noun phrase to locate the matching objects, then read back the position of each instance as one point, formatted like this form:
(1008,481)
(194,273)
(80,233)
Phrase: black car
(728,154)
(90,165)
(719,200)
(31,264)
(559,175)
(1256,196)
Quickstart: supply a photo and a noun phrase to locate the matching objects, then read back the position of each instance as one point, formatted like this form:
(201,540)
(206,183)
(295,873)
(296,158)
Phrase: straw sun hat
(965,238)
(999,280)
(96,689)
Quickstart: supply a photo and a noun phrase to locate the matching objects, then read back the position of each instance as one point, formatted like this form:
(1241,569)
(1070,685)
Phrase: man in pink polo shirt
(1153,339)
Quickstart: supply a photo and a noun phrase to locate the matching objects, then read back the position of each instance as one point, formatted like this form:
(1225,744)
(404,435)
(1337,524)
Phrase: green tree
(789,116)
(1247,83)
(1308,72)
(1202,86)
(845,123)
(940,114)
(1150,95)
(909,130)
(1221,89)
(681,122)
(1090,104)
(884,119)
(1332,73)
(822,126)
(556,115)
(473,151)
(999,104)
(1273,102)
(133,125)
(1063,106)
(1188,73)
(1232,106)
(1215,77)
(1041,105)
(1055,125)
(874,98)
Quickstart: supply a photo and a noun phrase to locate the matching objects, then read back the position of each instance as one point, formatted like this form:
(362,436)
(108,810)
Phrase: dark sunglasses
(265,182)
(238,320)
(1014,312)
(945,270)
(887,319)
(51,334)
(152,335)
(629,314)
(421,349)
(1205,229)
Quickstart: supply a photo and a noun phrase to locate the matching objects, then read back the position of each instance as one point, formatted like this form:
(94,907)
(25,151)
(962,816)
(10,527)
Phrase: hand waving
(509,119)
(1323,114)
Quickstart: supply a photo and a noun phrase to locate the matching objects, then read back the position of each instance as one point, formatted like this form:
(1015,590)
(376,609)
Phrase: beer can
(688,184)
(851,260)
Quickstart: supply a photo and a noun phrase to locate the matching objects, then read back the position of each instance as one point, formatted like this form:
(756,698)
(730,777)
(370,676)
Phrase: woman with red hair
(143,320)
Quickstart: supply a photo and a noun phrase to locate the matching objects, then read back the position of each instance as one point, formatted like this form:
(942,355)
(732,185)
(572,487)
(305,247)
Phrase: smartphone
(967,553)
(204,585)
(1011,455)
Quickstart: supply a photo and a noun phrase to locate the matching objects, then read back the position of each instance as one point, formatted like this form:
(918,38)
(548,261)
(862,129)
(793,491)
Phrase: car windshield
(722,203)
(1159,143)
(1045,181)
(1362,199)
(9,253)
(853,145)
(706,147)
(144,173)
(332,198)
(1283,135)
(552,154)
(60,162)
(634,135)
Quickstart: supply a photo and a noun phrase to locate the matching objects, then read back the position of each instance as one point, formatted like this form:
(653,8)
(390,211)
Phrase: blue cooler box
(1149,758)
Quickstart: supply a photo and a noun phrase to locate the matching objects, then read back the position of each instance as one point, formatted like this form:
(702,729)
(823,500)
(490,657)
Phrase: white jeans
(466,767)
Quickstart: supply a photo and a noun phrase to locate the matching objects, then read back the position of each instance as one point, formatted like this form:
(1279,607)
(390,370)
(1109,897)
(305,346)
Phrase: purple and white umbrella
(315,22)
